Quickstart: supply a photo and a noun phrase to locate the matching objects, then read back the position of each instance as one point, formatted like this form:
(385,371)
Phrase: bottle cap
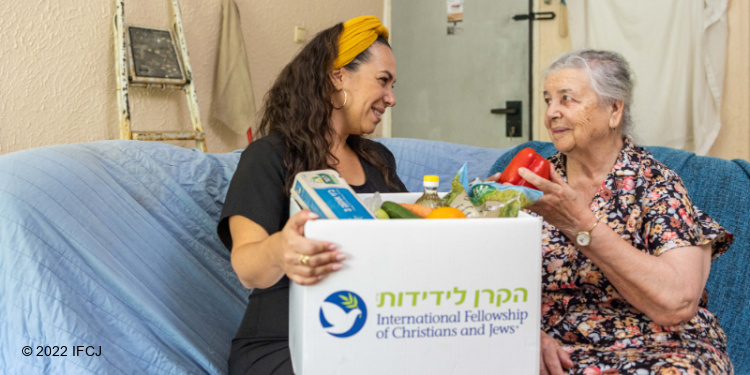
(431,181)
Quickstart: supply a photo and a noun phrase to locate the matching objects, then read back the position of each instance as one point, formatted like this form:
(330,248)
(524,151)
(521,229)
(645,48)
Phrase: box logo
(343,314)
(325,178)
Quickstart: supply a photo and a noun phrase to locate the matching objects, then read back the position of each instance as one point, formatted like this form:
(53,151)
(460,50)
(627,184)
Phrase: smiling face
(369,91)
(575,120)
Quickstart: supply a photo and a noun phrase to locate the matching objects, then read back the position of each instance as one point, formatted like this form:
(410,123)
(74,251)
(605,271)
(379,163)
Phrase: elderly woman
(626,254)
(315,115)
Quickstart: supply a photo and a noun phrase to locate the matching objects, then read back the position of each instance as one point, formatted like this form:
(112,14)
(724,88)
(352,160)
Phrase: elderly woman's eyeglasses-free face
(574,117)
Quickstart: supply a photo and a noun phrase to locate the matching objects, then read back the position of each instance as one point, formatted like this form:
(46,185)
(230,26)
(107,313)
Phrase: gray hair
(610,76)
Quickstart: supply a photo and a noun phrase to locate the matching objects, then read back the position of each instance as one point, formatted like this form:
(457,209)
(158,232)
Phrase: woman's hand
(495,177)
(303,260)
(260,260)
(552,358)
(560,205)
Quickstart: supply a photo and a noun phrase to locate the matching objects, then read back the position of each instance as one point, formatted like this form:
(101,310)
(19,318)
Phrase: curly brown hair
(298,108)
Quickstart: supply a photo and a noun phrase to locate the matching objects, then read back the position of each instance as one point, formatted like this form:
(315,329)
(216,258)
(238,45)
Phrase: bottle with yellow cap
(430,197)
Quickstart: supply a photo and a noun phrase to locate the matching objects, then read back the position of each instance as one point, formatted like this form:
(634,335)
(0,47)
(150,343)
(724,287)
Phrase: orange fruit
(446,213)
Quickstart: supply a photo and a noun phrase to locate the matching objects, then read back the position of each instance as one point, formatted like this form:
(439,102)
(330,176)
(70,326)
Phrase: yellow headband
(359,33)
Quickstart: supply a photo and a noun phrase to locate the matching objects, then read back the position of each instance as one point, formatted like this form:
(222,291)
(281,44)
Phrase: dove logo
(343,314)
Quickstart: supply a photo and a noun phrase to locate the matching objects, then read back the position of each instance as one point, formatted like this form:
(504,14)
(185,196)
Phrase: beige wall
(57,67)
(551,40)
(57,64)
(734,138)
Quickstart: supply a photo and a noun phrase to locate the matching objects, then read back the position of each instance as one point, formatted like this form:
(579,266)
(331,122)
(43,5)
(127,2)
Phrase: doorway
(462,80)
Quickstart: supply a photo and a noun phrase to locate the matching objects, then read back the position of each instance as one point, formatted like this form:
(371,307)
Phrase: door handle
(535,16)
(504,111)
(513,118)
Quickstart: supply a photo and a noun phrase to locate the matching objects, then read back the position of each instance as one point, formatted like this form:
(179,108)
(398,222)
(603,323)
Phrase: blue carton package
(325,193)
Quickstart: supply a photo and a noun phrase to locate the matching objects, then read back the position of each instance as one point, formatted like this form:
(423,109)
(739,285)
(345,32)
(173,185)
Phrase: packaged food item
(430,197)
(463,203)
(458,197)
(373,202)
(488,198)
(325,193)
(496,200)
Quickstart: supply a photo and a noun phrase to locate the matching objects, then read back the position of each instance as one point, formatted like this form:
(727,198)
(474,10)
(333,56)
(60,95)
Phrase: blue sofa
(108,250)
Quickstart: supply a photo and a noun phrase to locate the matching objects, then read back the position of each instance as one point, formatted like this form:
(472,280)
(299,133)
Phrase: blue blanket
(112,245)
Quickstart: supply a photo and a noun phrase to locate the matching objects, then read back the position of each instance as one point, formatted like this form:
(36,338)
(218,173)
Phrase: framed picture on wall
(153,57)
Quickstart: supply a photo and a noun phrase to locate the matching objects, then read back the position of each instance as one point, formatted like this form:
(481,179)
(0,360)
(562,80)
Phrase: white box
(427,293)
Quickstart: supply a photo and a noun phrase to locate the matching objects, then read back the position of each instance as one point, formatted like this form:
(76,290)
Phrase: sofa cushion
(722,189)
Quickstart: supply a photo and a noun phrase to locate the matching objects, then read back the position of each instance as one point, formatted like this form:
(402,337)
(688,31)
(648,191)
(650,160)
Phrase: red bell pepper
(529,159)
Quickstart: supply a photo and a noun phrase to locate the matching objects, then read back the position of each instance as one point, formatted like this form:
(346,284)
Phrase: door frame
(387,122)
(534,90)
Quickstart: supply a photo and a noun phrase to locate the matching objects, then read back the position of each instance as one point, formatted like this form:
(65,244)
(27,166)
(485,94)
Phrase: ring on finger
(304,259)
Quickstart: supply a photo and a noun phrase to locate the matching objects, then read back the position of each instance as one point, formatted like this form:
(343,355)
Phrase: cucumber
(396,211)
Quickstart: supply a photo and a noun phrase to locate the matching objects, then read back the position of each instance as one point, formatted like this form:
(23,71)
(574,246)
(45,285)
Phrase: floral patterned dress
(646,204)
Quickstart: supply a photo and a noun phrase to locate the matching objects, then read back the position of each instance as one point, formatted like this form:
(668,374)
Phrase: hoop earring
(342,106)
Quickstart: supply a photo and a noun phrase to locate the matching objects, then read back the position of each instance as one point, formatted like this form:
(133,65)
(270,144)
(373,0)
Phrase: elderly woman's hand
(552,358)
(495,177)
(560,205)
(303,260)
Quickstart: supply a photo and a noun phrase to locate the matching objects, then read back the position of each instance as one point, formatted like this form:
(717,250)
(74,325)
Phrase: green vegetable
(396,211)
(381,214)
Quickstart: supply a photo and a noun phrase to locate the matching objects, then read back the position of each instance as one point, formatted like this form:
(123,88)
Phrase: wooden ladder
(148,58)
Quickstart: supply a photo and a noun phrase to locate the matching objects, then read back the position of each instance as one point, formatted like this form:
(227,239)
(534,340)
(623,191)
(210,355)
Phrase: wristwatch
(584,238)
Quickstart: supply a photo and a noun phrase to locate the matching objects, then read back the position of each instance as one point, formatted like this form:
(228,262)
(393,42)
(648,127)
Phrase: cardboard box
(450,296)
